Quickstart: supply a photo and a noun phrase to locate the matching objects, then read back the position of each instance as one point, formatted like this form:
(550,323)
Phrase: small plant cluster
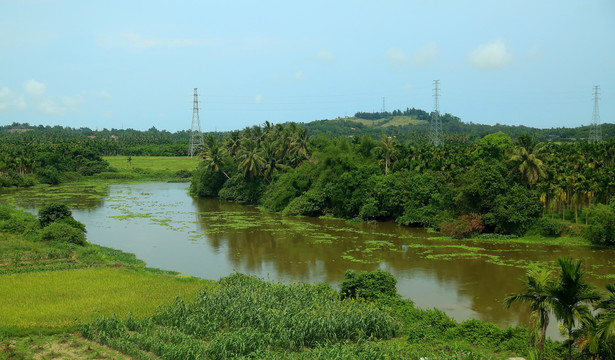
(245,316)
(601,228)
(58,224)
(368,285)
(54,223)
(464,227)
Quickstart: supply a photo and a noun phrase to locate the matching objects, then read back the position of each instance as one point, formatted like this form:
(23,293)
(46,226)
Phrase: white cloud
(50,107)
(10,100)
(57,108)
(258,99)
(107,114)
(324,56)
(299,76)
(534,54)
(426,55)
(105,94)
(138,42)
(491,56)
(396,56)
(35,89)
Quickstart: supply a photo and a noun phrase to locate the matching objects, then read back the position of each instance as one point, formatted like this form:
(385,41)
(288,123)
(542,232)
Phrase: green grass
(386,122)
(170,164)
(244,317)
(60,346)
(67,298)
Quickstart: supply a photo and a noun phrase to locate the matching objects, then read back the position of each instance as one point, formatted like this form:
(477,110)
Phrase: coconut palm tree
(250,160)
(571,296)
(232,143)
(536,293)
(527,159)
(387,147)
(213,156)
(271,160)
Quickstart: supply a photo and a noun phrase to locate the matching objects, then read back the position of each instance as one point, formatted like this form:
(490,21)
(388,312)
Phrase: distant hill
(412,125)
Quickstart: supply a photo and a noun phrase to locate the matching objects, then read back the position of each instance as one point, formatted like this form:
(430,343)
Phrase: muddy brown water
(208,238)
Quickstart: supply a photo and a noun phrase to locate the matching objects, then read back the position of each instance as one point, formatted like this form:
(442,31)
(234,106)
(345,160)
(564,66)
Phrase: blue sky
(134,64)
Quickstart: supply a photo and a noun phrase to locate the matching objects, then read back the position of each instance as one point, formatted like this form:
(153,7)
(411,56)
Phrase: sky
(135,64)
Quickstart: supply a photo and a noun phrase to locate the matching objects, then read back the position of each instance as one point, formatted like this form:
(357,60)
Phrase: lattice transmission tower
(196,126)
(436,125)
(595,132)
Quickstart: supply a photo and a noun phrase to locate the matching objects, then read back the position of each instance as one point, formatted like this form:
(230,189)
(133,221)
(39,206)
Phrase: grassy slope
(386,122)
(153,163)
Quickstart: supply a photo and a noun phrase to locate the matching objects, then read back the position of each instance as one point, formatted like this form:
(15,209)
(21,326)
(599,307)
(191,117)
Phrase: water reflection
(208,238)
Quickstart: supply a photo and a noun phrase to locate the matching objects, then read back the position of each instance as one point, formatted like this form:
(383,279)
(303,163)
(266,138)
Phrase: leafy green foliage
(53,212)
(368,285)
(255,318)
(17,222)
(515,211)
(464,227)
(547,227)
(601,229)
(61,231)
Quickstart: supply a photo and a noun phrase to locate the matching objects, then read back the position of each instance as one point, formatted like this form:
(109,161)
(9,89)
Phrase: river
(208,238)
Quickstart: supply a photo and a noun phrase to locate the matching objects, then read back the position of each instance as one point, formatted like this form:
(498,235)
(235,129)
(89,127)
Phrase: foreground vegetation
(52,284)
(117,301)
(249,318)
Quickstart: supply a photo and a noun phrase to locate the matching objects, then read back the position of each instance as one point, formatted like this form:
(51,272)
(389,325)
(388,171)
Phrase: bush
(310,204)
(74,223)
(601,224)
(464,227)
(368,285)
(183,174)
(53,212)
(515,211)
(17,222)
(547,227)
(49,175)
(60,231)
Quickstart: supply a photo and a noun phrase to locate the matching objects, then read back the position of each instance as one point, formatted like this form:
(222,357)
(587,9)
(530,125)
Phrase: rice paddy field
(58,299)
(153,163)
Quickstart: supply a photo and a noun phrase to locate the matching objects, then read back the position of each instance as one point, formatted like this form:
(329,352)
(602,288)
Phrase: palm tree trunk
(543,335)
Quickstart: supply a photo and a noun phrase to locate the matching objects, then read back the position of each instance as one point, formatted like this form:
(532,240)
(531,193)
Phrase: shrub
(74,223)
(368,285)
(310,204)
(183,174)
(547,227)
(49,175)
(60,231)
(53,212)
(601,224)
(17,222)
(464,227)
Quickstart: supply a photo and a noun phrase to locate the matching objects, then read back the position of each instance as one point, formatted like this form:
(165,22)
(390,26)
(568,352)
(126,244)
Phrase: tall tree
(387,147)
(571,296)
(527,160)
(250,159)
(536,293)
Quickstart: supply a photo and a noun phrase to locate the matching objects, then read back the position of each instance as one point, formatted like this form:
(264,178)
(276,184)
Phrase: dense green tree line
(454,129)
(50,163)
(503,186)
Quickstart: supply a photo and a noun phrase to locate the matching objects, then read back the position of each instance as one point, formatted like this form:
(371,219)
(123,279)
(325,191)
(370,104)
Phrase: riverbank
(64,285)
